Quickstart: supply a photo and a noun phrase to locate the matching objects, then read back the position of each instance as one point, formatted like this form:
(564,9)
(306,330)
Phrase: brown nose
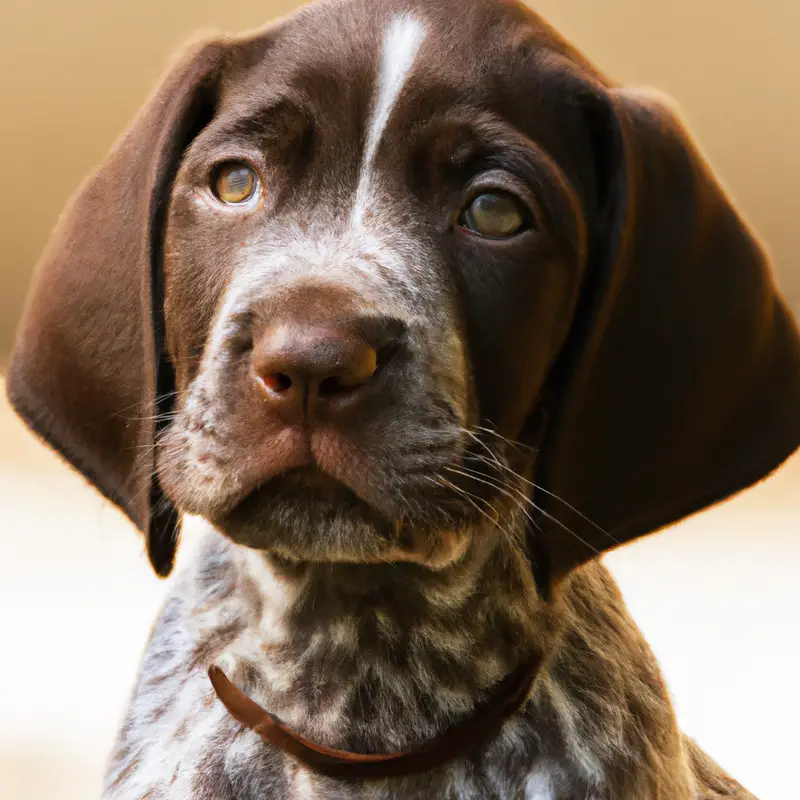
(300,366)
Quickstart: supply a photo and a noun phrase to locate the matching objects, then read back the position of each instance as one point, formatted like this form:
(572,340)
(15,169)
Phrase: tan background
(718,597)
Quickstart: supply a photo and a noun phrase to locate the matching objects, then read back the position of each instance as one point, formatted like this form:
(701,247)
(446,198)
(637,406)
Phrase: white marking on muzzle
(400,46)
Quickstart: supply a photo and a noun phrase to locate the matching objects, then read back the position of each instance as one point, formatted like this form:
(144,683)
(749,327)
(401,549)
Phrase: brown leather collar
(505,699)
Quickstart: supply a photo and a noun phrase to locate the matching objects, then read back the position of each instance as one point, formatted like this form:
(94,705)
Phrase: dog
(420,313)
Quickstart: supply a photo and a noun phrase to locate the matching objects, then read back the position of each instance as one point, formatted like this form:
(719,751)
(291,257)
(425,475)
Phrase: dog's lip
(323,463)
(310,477)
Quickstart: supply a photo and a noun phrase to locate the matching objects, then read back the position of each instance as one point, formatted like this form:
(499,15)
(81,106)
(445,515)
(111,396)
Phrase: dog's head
(350,286)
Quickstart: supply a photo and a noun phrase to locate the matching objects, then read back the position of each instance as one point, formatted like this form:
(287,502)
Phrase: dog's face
(368,257)
(400,262)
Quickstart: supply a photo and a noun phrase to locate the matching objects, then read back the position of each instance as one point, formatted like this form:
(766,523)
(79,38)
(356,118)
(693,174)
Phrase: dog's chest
(215,759)
(265,773)
(179,741)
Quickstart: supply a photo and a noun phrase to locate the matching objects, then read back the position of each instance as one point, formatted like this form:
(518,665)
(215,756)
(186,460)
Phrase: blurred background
(717,596)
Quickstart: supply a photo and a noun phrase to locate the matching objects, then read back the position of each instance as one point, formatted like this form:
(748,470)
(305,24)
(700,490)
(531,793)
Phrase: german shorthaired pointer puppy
(420,313)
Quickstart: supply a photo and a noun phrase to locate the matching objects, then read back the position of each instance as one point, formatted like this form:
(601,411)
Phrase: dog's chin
(307,516)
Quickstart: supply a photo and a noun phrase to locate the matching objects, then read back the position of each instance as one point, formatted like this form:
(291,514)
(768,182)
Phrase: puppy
(420,313)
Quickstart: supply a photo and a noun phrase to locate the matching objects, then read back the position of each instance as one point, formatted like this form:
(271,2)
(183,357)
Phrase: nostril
(276,382)
(342,384)
(332,385)
(387,353)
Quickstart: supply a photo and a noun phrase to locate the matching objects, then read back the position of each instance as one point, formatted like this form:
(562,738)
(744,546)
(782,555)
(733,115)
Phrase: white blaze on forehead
(400,45)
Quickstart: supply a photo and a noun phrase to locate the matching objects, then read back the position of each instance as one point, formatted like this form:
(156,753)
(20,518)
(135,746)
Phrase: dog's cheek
(199,254)
(518,307)
(192,477)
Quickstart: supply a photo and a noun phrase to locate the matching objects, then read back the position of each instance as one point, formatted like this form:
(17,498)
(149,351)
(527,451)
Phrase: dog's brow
(269,120)
(400,45)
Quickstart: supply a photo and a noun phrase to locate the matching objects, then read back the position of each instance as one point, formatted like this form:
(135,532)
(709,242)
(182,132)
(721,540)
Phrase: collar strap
(504,700)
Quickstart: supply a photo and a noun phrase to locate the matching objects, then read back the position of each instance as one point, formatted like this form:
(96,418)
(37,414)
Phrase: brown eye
(494,214)
(234,182)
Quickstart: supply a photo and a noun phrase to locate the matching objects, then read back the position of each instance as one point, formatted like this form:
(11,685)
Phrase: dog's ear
(88,372)
(680,381)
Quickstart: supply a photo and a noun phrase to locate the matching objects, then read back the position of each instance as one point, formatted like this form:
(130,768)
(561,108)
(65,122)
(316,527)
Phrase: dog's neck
(376,658)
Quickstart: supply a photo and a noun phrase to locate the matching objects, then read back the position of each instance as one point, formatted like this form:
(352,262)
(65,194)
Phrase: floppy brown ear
(680,383)
(88,364)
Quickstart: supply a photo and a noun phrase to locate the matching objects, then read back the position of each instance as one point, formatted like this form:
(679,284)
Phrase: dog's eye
(234,182)
(494,214)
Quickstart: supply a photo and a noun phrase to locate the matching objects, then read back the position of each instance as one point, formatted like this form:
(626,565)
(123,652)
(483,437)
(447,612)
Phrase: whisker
(511,442)
(485,446)
(507,467)
(485,479)
(171,416)
(439,480)
(158,399)
(504,488)
(542,489)
(583,516)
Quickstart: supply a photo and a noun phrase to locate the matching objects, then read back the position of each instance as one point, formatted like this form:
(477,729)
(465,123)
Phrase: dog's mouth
(306,513)
(310,478)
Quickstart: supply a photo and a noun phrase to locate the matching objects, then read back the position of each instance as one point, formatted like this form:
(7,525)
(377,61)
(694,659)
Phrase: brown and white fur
(356,655)
(384,549)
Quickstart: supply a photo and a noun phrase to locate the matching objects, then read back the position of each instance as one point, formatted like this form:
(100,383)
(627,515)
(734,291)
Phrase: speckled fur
(374,658)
